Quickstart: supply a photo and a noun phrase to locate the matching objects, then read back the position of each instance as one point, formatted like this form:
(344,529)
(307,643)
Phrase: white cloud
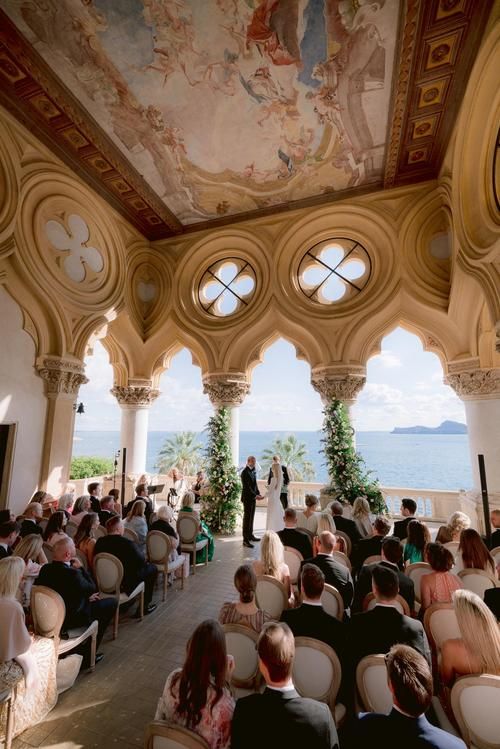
(388,359)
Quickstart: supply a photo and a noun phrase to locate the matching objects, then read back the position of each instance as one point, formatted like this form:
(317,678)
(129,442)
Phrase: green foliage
(348,475)
(222,505)
(293,455)
(87,466)
(181,451)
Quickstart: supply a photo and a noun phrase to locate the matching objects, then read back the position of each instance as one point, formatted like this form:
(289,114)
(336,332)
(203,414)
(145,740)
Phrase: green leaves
(181,451)
(222,505)
(293,455)
(88,466)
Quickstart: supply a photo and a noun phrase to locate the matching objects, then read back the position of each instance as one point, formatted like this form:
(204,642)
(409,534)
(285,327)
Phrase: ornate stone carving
(61,376)
(476,383)
(341,383)
(78,256)
(135,395)
(226,390)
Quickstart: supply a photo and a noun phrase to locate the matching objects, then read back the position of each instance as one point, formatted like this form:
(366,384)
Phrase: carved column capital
(226,389)
(338,383)
(475,384)
(62,376)
(138,393)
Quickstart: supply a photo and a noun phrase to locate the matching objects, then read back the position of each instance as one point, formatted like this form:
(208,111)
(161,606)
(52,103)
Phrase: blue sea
(427,461)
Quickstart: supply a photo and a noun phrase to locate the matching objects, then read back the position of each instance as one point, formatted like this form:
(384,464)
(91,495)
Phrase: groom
(249,494)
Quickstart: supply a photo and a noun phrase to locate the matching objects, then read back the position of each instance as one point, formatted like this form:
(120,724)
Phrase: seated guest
(376,631)
(308,519)
(197,696)
(495,529)
(344,524)
(362,516)
(310,619)
(67,577)
(81,508)
(94,490)
(85,536)
(408,510)
(135,521)
(371,546)
(31,517)
(65,504)
(335,573)
(418,536)
(272,561)
(187,505)
(141,494)
(287,720)
(325,523)
(457,522)
(9,533)
(392,554)
(41,496)
(410,682)
(473,554)
(27,664)
(245,611)
(135,567)
(107,505)
(115,493)
(163,522)
(6,516)
(199,485)
(440,584)
(54,530)
(443,536)
(30,549)
(293,536)
(492,600)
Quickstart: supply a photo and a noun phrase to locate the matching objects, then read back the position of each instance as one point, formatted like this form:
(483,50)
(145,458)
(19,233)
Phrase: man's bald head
(63,550)
(327,542)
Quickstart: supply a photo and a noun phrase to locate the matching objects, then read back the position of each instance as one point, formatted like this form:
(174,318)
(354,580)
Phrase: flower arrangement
(348,475)
(221,504)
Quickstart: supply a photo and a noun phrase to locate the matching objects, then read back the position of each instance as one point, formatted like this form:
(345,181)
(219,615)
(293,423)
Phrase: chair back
(82,558)
(371,681)
(271,596)
(108,572)
(131,535)
(416,572)
(163,735)
(241,644)
(453,547)
(440,624)
(475,701)
(495,553)
(373,558)
(332,602)
(346,539)
(71,528)
(339,556)
(158,547)
(316,670)
(479,581)
(187,527)
(293,559)
(100,531)
(48,611)
(43,523)
(369,603)
(48,551)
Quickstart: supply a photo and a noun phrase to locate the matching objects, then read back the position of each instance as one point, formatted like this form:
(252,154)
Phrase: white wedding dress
(274,507)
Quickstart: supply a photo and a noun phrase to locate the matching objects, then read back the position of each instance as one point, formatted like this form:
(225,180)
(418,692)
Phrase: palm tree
(181,451)
(293,455)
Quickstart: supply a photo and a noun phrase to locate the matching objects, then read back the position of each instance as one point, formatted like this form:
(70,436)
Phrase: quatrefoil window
(227,287)
(334,271)
(78,256)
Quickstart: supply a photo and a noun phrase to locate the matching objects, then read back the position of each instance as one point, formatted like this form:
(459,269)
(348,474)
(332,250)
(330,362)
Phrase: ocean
(427,461)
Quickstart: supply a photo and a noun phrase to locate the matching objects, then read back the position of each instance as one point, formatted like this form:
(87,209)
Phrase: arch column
(135,400)
(343,383)
(62,377)
(229,391)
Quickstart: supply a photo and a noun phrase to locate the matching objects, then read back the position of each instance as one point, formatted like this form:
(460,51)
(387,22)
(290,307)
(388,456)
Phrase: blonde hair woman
(65,503)
(30,549)
(308,518)
(136,521)
(362,516)
(325,523)
(457,522)
(272,560)
(81,507)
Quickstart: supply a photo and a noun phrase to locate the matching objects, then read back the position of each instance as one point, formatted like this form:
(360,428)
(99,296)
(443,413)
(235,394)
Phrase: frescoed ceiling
(185,113)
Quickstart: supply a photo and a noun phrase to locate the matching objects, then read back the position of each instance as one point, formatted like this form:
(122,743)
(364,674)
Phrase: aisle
(113,705)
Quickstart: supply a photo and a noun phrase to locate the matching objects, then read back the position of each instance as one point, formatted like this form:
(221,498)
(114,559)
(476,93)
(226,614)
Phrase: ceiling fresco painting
(229,106)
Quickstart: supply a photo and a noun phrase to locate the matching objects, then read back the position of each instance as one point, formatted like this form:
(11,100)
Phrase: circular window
(334,270)
(227,287)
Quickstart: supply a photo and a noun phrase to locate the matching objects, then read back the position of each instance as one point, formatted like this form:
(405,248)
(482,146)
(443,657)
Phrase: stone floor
(114,704)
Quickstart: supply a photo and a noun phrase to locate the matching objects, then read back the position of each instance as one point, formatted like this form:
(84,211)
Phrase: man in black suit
(249,495)
(32,515)
(345,525)
(279,717)
(135,567)
(392,554)
(410,681)
(9,532)
(141,492)
(94,489)
(371,546)
(408,510)
(6,515)
(67,577)
(293,536)
(335,573)
(107,511)
(376,631)
(285,482)
(492,600)
(495,529)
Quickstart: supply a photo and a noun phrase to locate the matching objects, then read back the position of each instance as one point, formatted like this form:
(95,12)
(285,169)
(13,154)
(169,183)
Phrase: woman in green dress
(418,538)
(187,506)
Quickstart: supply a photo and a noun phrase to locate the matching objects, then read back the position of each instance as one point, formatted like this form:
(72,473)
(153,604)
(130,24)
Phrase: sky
(404,387)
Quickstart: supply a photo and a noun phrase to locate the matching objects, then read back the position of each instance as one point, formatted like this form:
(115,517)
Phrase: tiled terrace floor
(112,706)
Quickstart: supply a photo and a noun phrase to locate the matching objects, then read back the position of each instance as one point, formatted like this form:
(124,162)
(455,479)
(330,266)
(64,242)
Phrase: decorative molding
(226,390)
(340,383)
(475,384)
(61,376)
(136,394)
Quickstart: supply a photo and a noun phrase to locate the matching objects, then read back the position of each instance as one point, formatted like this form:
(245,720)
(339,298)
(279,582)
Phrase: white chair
(369,603)
(479,581)
(241,643)
(100,531)
(453,547)
(371,682)
(43,523)
(293,559)
(163,735)
(48,551)
(271,596)
(187,528)
(475,701)
(416,572)
(160,547)
(339,556)
(332,602)
(317,673)
(131,535)
(109,576)
(440,624)
(372,559)
(82,558)
(346,539)
(495,553)
(71,528)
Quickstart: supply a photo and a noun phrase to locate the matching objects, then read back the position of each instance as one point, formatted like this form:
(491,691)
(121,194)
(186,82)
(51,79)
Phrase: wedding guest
(85,539)
(31,517)
(344,524)
(418,536)
(187,505)
(115,493)
(443,536)
(94,491)
(392,554)
(136,522)
(40,497)
(473,553)
(272,560)
(294,537)
(81,507)
(457,522)
(325,523)
(371,546)
(495,529)
(408,510)
(141,495)
(107,510)
(362,516)
(30,549)
(245,611)
(308,519)
(335,573)
(9,533)
(199,486)
(164,522)
(197,695)
(54,529)
(439,585)
(492,600)
(65,504)
(7,516)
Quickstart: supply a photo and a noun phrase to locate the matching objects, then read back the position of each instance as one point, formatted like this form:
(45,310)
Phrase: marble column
(62,377)
(339,383)
(135,400)
(229,391)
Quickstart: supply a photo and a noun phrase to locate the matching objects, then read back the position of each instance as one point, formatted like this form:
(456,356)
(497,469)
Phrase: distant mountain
(447,427)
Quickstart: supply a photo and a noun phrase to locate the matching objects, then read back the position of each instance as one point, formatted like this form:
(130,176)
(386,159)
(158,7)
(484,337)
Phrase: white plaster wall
(22,400)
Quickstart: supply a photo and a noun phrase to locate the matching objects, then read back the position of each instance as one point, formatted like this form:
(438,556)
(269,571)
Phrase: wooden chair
(71,528)
(6,698)
(371,682)
(346,539)
(475,701)
(48,551)
(271,596)
(241,643)
(160,547)
(163,735)
(416,572)
(317,673)
(332,602)
(479,581)
(440,624)
(109,576)
(131,535)
(100,532)
(369,603)
(293,559)
(373,558)
(188,528)
(339,556)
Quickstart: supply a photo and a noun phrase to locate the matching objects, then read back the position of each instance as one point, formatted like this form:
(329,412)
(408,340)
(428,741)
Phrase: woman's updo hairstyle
(245,582)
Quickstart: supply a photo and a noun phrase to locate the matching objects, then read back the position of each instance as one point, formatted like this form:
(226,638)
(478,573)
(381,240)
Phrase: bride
(274,506)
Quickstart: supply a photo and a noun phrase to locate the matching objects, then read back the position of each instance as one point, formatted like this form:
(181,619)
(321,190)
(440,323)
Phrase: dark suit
(105,515)
(367,547)
(4,553)
(298,540)
(249,491)
(396,730)
(495,539)
(28,527)
(376,631)
(148,511)
(313,621)
(348,527)
(364,585)
(95,505)
(286,481)
(282,719)
(335,574)
(401,527)
(492,600)
(135,567)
